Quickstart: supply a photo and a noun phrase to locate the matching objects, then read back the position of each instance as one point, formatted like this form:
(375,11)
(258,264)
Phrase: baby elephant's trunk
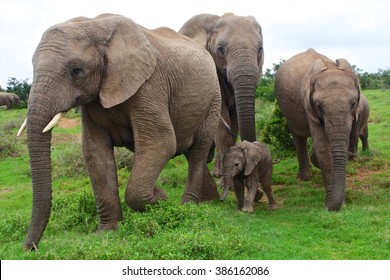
(226,183)
(224,193)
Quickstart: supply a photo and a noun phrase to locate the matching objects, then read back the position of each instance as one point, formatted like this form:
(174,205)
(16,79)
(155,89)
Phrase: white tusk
(52,123)
(22,127)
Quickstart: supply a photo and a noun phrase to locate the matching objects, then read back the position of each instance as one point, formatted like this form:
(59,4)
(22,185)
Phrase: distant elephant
(361,131)
(236,44)
(319,99)
(245,165)
(9,99)
(135,86)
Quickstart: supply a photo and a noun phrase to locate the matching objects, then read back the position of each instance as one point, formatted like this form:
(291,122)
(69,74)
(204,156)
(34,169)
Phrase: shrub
(8,143)
(124,158)
(276,131)
(265,89)
(70,160)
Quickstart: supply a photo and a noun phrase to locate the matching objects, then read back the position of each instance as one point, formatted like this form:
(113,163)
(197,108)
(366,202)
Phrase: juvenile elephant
(9,99)
(135,86)
(236,45)
(319,98)
(245,165)
(361,131)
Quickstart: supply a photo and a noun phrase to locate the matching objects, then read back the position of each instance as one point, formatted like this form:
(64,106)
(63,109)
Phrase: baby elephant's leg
(266,185)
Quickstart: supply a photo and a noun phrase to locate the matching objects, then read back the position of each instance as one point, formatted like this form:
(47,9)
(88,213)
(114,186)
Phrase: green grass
(300,229)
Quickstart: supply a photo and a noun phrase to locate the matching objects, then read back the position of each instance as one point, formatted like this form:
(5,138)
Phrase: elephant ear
(130,60)
(344,65)
(308,88)
(252,155)
(199,27)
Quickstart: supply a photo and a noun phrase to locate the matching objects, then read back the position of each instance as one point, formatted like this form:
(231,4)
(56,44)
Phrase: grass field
(301,229)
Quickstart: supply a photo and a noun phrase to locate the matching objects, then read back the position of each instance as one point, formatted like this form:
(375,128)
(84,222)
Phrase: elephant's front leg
(251,184)
(99,158)
(154,144)
(239,189)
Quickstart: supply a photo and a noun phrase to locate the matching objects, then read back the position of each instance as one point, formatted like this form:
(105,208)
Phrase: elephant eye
(221,50)
(75,72)
(261,50)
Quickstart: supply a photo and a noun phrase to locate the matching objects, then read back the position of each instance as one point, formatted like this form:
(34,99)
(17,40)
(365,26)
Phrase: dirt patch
(362,175)
(68,123)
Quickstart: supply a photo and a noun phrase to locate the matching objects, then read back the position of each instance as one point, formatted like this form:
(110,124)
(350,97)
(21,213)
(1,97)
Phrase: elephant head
(236,45)
(78,62)
(239,158)
(331,95)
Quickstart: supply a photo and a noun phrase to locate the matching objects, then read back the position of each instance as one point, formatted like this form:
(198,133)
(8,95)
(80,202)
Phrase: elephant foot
(247,208)
(305,175)
(160,194)
(137,201)
(106,227)
(272,207)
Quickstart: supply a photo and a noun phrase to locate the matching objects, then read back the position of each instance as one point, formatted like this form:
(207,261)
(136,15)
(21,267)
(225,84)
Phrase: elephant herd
(161,93)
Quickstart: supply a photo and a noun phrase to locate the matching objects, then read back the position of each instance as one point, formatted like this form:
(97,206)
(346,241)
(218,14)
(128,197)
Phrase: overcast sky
(356,30)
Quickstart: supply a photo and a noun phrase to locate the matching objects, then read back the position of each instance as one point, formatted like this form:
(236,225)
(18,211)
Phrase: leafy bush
(8,143)
(70,160)
(124,158)
(276,131)
(265,89)
(75,210)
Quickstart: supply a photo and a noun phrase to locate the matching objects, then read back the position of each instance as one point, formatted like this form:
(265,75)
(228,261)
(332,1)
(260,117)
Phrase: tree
(20,88)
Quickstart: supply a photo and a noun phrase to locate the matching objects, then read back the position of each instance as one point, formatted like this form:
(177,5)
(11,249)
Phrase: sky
(356,30)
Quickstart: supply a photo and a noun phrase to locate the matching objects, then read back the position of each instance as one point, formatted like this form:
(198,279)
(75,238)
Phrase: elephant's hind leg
(305,172)
(200,185)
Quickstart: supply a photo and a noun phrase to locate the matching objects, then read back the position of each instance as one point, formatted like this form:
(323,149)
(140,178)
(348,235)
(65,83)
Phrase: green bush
(265,89)
(124,158)
(276,132)
(70,162)
(8,140)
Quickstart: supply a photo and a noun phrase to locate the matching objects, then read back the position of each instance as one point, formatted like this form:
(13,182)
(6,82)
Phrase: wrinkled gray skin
(319,98)
(8,99)
(245,165)
(236,44)
(135,86)
(362,114)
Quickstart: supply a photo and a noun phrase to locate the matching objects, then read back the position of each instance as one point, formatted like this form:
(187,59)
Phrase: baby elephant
(247,164)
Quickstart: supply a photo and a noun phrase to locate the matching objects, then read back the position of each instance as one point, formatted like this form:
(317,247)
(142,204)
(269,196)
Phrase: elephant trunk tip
(335,205)
(30,246)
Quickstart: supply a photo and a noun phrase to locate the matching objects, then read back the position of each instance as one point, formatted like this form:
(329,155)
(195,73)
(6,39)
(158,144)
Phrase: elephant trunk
(39,145)
(244,78)
(339,141)
(227,182)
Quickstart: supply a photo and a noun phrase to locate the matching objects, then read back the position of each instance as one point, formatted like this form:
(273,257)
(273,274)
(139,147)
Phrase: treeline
(265,89)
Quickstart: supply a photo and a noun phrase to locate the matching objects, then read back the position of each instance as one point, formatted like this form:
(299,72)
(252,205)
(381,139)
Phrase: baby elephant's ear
(252,155)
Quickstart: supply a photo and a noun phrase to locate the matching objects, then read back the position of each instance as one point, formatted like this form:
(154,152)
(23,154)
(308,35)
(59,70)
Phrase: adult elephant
(9,99)
(236,44)
(319,98)
(135,86)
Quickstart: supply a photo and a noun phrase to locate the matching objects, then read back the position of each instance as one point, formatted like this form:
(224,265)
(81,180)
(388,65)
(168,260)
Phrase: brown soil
(68,123)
